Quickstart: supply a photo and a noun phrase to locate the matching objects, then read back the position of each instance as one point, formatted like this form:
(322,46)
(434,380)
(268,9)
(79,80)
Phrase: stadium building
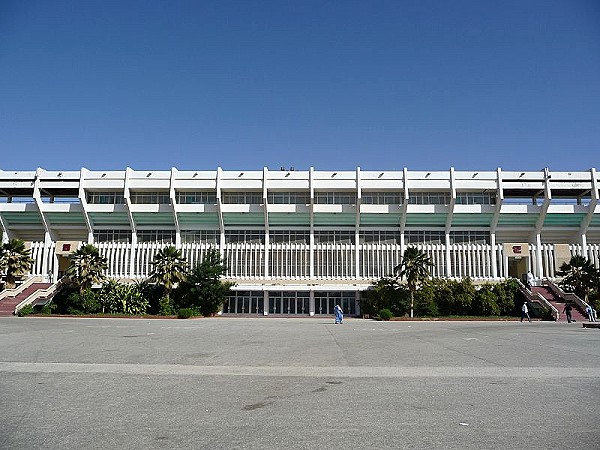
(297,242)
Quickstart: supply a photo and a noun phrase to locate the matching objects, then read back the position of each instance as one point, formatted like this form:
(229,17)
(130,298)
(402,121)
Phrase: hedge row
(444,297)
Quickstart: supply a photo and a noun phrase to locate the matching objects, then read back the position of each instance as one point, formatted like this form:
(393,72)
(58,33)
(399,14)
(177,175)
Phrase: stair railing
(41,293)
(567,296)
(538,298)
(24,285)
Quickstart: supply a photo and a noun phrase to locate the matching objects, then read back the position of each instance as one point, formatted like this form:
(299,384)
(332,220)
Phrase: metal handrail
(539,298)
(568,296)
(16,291)
(41,293)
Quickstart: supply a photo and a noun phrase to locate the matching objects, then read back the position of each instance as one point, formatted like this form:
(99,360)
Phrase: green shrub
(425,304)
(385,314)
(165,306)
(88,302)
(485,303)
(386,293)
(185,313)
(25,311)
(444,297)
(119,298)
(48,308)
(203,289)
(153,293)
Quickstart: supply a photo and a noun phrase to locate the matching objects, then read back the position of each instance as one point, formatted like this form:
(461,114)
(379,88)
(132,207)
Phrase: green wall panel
(380,219)
(335,219)
(424,219)
(243,218)
(289,219)
(160,218)
(114,219)
(198,219)
(473,220)
(22,218)
(564,220)
(66,218)
(518,219)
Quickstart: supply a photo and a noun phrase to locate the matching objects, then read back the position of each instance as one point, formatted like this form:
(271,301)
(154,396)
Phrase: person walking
(590,313)
(530,279)
(339,314)
(525,312)
(568,310)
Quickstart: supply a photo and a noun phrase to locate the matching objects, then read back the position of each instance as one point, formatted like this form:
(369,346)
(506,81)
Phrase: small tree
(15,261)
(204,289)
(580,276)
(169,269)
(87,268)
(414,267)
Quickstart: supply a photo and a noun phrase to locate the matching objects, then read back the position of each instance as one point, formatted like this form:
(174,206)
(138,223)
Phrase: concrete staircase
(9,303)
(559,303)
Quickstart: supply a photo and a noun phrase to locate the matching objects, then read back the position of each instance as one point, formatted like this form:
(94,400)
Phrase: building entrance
(289,303)
(244,302)
(517,267)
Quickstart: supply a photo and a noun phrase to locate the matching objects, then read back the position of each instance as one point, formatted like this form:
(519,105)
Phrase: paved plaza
(289,383)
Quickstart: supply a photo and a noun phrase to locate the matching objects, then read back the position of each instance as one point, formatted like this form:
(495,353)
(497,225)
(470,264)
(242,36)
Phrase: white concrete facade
(312,233)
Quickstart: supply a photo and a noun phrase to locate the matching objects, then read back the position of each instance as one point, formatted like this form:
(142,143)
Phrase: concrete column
(311,303)
(448,262)
(494,255)
(265,303)
(46,254)
(584,249)
(357,302)
(133,254)
(538,248)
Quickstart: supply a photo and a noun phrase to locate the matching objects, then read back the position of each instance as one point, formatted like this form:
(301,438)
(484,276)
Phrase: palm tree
(414,266)
(579,274)
(169,268)
(87,267)
(15,261)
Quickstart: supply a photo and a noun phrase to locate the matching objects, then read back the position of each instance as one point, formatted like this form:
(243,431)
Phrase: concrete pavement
(269,383)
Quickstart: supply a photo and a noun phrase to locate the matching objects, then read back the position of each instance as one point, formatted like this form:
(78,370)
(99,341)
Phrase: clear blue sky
(473,84)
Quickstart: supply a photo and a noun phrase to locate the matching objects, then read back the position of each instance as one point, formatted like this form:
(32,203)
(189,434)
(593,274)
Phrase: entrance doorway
(63,264)
(517,267)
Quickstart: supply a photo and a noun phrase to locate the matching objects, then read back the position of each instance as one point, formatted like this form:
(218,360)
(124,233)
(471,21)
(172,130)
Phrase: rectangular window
(335,198)
(288,198)
(105,198)
(326,301)
(242,198)
(196,198)
(244,236)
(150,198)
(381,198)
(244,302)
(289,302)
(475,198)
(334,237)
(470,237)
(200,236)
(112,236)
(162,236)
(429,198)
(289,237)
(379,237)
(425,237)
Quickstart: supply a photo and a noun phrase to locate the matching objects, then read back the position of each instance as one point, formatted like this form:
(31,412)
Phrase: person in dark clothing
(568,310)
(525,312)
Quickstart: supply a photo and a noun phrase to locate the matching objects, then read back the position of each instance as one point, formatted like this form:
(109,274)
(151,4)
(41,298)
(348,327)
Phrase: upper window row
(295,198)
